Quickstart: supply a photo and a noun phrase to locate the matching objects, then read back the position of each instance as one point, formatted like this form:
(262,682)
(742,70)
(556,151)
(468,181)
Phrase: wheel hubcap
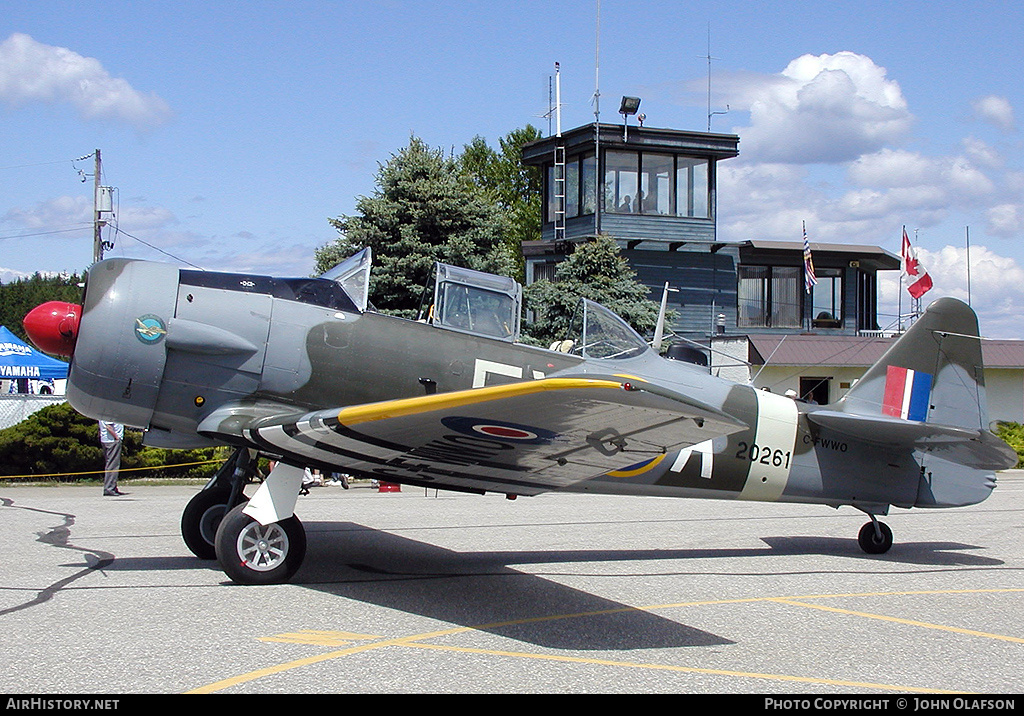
(209,522)
(262,548)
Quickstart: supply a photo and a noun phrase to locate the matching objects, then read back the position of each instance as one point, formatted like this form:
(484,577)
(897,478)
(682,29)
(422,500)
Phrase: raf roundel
(498,430)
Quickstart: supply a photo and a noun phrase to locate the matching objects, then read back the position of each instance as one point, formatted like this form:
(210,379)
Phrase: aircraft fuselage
(165,350)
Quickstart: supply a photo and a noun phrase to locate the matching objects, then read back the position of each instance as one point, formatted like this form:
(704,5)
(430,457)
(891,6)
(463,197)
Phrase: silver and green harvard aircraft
(305,372)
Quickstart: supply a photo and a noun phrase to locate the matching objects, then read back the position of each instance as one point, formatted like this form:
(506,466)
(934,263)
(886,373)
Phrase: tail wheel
(875,542)
(200,519)
(251,553)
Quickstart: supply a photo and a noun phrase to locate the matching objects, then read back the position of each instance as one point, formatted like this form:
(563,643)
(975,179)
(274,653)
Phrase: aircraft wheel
(200,519)
(251,553)
(872,543)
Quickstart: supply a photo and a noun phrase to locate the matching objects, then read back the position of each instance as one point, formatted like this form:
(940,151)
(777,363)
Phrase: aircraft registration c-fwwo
(305,372)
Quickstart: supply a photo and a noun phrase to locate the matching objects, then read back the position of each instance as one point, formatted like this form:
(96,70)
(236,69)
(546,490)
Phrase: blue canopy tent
(21,362)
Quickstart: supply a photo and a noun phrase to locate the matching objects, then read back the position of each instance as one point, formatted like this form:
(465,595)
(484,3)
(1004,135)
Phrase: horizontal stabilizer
(966,446)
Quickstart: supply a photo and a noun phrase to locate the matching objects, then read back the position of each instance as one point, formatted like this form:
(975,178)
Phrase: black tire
(201,518)
(870,542)
(250,553)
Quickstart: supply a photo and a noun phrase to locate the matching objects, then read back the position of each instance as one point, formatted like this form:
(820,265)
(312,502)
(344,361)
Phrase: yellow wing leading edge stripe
(424,404)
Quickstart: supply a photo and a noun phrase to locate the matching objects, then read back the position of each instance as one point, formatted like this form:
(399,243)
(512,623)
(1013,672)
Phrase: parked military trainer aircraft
(304,371)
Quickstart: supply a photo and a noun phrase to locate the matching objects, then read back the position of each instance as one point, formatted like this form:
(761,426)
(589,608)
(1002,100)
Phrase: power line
(118,230)
(36,164)
(43,233)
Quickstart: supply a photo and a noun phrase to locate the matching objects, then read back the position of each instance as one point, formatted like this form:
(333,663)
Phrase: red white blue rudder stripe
(906,393)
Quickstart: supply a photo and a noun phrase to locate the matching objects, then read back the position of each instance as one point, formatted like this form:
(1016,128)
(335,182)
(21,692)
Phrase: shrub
(59,443)
(1013,434)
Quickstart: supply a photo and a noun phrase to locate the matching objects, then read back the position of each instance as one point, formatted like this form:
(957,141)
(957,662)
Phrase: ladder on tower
(559,194)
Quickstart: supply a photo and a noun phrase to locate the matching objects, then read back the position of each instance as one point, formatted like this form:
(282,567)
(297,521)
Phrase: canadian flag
(918,280)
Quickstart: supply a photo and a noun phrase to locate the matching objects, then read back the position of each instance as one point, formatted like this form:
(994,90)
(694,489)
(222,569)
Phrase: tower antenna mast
(709,58)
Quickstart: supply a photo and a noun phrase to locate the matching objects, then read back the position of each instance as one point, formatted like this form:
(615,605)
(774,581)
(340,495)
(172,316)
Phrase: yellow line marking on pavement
(684,669)
(415,640)
(280,668)
(319,638)
(910,622)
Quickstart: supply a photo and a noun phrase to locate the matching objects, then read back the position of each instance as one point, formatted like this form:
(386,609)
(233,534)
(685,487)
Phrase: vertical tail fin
(927,393)
(933,373)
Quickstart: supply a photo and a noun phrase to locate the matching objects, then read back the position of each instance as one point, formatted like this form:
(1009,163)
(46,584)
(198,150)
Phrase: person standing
(111,437)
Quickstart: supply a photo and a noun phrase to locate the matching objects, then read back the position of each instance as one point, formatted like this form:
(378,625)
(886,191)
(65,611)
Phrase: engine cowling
(120,348)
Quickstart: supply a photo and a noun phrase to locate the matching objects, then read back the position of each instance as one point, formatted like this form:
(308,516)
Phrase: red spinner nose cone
(53,327)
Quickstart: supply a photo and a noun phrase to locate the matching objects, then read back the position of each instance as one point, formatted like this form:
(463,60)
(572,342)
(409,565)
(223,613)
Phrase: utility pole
(102,203)
(97,222)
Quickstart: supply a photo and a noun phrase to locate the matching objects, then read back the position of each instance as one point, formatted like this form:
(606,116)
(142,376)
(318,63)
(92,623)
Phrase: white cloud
(997,110)
(982,154)
(57,213)
(1005,220)
(11,275)
(903,181)
(33,72)
(821,109)
(827,144)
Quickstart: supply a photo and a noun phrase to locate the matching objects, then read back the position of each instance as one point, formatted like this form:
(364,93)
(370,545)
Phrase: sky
(232,131)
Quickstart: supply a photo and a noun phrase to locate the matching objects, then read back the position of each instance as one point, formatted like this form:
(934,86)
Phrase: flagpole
(899,291)
(810,279)
(917,300)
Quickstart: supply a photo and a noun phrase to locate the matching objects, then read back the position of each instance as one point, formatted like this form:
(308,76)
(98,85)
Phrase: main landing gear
(251,553)
(204,512)
(875,537)
(214,527)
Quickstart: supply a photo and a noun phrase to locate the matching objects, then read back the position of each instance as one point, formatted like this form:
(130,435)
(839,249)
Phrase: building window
(543,271)
(653,183)
(572,189)
(769,296)
(656,184)
(867,301)
(621,170)
(692,187)
(580,180)
(827,299)
(588,184)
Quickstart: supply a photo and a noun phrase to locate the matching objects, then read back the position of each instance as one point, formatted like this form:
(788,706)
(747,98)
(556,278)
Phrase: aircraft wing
(521,438)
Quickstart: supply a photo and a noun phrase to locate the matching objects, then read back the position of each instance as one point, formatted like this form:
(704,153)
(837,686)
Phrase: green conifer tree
(425,208)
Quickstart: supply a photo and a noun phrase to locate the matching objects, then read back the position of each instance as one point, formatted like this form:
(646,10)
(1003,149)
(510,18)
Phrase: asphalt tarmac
(434,593)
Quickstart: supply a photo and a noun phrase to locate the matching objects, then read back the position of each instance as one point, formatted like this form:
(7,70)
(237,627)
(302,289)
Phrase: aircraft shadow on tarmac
(483,589)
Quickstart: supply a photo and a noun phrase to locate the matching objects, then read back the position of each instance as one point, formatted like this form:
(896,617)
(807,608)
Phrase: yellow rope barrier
(124,469)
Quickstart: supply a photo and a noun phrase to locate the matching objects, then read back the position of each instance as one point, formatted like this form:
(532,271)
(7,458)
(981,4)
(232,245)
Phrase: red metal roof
(858,351)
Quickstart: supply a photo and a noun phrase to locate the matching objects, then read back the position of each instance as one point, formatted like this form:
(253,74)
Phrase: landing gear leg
(203,513)
(875,537)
